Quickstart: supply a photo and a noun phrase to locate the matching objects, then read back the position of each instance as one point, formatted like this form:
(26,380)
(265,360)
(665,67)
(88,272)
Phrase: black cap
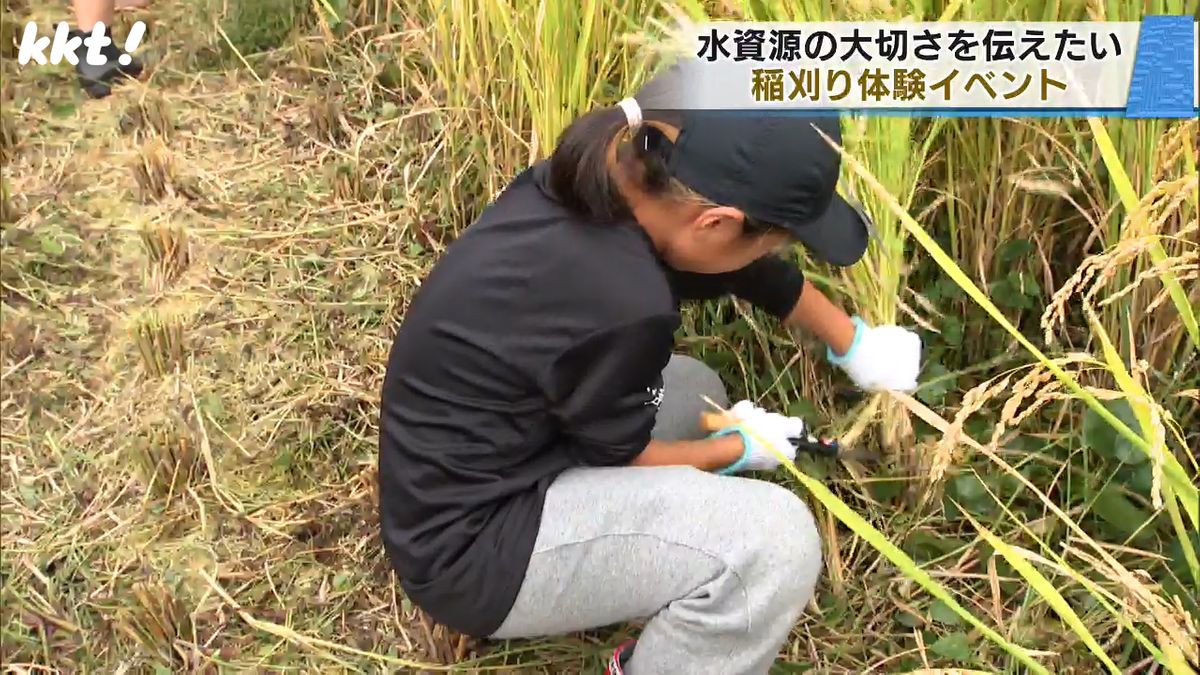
(778,170)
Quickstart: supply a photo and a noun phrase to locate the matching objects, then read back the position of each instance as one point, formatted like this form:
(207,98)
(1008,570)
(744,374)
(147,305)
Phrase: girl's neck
(649,212)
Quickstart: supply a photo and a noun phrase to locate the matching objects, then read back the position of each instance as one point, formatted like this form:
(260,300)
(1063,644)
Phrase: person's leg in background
(88,13)
(721,566)
(97,80)
(686,381)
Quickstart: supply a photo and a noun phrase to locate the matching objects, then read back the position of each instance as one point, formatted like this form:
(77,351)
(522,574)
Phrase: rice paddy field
(200,276)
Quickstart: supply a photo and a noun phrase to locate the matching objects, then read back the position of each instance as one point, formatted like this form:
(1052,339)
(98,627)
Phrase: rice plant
(1051,262)
(1174,630)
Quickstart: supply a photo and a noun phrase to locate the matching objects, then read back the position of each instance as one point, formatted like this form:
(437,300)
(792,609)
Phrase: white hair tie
(633,112)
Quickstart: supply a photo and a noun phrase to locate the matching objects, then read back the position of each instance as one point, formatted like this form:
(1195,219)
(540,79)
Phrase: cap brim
(839,236)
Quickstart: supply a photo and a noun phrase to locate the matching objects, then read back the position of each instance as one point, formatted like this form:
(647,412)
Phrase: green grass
(200,277)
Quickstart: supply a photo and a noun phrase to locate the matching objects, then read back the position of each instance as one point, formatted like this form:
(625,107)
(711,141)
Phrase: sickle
(715,421)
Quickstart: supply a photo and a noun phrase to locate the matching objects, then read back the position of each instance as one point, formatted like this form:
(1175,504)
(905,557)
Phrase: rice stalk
(898,154)
(166,455)
(1174,484)
(1118,607)
(1176,476)
(1136,155)
(326,120)
(158,622)
(1174,628)
(1042,586)
(1136,226)
(167,253)
(153,170)
(1149,415)
(906,565)
(973,401)
(148,115)
(1013,183)
(158,337)
(156,173)
(565,54)
(348,182)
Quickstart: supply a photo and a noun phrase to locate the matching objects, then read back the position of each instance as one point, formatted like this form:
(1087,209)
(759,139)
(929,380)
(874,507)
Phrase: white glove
(757,427)
(881,358)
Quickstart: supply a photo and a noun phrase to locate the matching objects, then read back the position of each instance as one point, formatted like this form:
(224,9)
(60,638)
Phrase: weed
(254,27)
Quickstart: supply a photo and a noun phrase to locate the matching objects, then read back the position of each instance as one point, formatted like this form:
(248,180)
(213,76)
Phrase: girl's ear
(720,216)
(718,225)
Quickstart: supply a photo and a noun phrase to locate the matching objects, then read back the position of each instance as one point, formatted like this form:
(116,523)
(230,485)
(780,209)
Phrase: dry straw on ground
(201,273)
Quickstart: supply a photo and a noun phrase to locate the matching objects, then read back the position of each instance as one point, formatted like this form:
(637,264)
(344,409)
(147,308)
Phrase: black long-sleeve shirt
(536,344)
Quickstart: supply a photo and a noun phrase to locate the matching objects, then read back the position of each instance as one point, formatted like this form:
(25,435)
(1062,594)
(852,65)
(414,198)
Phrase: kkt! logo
(66,46)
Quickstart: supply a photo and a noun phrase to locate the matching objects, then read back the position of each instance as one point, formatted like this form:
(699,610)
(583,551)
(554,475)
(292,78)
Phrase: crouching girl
(542,466)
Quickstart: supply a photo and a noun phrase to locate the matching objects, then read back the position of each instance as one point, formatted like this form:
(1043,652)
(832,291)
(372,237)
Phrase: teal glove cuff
(741,462)
(860,327)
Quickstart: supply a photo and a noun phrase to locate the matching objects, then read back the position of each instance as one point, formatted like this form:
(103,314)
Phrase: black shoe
(97,81)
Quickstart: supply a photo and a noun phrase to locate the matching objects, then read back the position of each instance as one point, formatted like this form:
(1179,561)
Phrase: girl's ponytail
(579,173)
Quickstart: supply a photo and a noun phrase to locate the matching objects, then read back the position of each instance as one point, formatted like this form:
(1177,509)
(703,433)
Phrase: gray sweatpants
(721,566)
